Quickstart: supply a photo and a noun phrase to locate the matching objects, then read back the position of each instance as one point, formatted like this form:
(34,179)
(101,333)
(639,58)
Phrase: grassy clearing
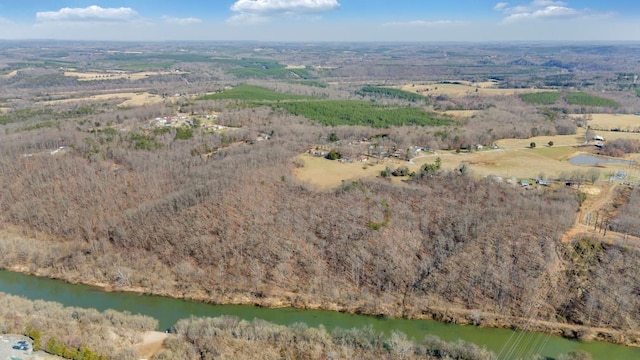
(541,98)
(624,122)
(542,141)
(612,135)
(10,74)
(585,99)
(326,174)
(128,99)
(463,88)
(513,160)
(515,163)
(252,93)
(555,152)
(95,76)
(461,113)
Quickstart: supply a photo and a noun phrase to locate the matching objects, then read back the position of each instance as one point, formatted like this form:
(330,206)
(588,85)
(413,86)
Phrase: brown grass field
(292,66)
(461,113)
(10,74)
(92,76)
(326,174)
(129,99)
(514,159)
(463,88)
(625,122)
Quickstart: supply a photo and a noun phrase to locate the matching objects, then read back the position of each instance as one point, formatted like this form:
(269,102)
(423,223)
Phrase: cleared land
(461,113)
(513,159)
(128,99)
(625,122)
(462,88)
(295,66)
(326,174)
(10,74)
(152,343)
(93,76)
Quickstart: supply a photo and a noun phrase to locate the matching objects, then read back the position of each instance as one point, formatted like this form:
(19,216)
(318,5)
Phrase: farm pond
(592,160)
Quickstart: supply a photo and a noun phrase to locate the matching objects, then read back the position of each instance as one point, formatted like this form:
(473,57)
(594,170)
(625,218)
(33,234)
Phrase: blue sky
(322,20)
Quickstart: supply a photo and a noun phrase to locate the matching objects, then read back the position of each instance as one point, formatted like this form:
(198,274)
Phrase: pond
(592,160)
(169,310)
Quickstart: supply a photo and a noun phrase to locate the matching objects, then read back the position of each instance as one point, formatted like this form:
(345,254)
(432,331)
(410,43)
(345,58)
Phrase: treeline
(74,333)
(627,220)
(231,338)
(620,147)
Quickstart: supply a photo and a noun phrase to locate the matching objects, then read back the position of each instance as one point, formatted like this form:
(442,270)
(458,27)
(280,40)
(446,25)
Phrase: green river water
(168,311)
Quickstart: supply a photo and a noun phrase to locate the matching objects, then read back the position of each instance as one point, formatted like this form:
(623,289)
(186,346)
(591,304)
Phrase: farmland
(457,88)
(513,159)
(251,93)
(116,75)
(608,122)
(125,99)
(541,98)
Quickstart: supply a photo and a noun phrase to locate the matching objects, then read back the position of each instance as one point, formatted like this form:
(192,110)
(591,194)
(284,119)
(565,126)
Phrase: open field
(462,88)
(520,163)
(461,113)
(92,76)
(291,66)
(625,122)
(514,163)
(129,99)
(558,140)
(10,74)
(513,159)
(326,174)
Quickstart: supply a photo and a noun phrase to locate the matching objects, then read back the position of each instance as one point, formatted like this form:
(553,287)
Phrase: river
(168,311)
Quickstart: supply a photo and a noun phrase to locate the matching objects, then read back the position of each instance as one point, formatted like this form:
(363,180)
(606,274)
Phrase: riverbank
(167,312)
(419,310)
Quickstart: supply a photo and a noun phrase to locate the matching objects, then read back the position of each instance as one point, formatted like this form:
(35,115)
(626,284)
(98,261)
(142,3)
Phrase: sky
(322,20)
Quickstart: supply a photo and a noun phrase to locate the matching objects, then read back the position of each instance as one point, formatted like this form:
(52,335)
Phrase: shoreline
(443,314)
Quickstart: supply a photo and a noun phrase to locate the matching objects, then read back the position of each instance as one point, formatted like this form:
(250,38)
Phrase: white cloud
(543,10)
(500,6)
(5,21)
(258,11)
(91,13)
(424,23)
(181,21)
